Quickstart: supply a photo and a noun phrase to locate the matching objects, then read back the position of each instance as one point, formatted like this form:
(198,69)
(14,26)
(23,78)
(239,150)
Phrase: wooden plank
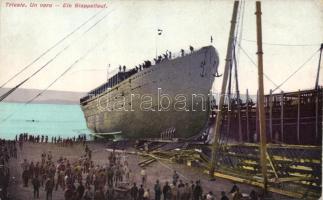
(258,184)
(272,165)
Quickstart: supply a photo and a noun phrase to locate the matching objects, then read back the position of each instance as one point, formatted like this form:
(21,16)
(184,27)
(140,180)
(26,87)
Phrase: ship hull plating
(172,95)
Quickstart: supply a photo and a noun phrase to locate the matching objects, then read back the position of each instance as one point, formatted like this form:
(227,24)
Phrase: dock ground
(161,170)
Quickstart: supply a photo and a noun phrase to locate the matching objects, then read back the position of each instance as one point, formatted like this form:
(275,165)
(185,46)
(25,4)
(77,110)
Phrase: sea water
(41,119)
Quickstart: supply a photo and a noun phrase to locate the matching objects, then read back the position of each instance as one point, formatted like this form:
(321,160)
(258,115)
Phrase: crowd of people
(146,64)
(8,150)
(69,141)
(82,179)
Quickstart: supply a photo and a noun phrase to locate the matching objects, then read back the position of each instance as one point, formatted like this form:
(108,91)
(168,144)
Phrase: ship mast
(262,114)
(228,61)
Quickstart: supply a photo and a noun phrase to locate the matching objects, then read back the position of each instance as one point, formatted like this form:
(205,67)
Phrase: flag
(159,31)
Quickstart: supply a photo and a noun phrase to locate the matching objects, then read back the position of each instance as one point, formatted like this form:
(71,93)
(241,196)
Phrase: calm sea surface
(47,119)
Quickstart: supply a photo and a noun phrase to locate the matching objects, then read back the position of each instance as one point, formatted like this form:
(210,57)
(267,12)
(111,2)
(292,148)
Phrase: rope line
(49,49)
(299,68)
(66,47)
(253,62)
(69,68)
(282,44)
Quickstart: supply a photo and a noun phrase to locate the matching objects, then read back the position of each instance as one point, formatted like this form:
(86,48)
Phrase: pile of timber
(295,168)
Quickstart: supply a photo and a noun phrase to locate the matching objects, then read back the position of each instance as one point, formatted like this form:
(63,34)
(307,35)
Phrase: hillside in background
(50,96)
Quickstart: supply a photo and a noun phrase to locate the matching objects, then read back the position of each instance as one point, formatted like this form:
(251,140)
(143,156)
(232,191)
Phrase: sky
(125,33)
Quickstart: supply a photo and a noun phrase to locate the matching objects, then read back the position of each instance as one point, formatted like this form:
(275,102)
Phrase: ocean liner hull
(171,96)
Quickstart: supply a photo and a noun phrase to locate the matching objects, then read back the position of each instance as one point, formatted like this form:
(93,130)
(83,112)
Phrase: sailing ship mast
(262,120)
(228,61)
(261,107)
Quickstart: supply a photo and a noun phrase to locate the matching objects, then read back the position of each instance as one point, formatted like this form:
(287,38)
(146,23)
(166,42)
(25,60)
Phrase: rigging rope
(66,47)
(69,68)
(49,49)
(300,67)
(282,44)
(253,62)
(5,95)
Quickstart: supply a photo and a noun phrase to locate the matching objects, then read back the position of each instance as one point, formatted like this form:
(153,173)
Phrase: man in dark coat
(80,190)
(49,187)
(134,192)
(109,195)
(157,189)
(224,196)
(166,191)
(198,191)
(36,185)
(141,192)
(25,177)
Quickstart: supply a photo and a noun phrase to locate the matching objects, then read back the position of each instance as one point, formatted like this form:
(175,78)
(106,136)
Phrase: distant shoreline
(22,95)
(42,102)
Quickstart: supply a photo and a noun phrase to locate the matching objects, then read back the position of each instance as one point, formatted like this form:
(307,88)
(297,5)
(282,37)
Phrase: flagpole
(156,43)
(159,32)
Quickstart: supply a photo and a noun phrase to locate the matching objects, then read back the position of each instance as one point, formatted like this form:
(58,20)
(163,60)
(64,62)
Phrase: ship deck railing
(173,56)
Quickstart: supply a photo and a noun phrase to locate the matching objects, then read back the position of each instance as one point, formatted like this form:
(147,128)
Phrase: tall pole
(298,114)
(262,120)
(282,116)
(317,93)
(156,46)
(108,72)
(271,115)
(247,116)
(316,113)
(223,88)
(318,68)
(238,97)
